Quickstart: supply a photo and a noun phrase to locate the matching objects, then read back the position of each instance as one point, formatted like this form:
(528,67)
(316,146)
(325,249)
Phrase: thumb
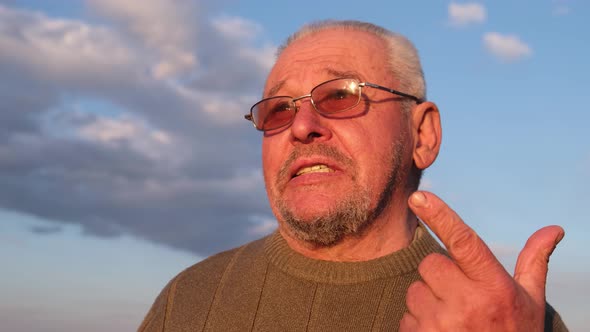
(532,264)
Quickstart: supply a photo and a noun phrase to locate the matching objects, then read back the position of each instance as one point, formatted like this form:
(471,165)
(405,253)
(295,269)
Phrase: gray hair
(404,61)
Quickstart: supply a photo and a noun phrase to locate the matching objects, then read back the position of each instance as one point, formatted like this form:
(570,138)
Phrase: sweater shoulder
(216,264)
(193,289)
(553,321)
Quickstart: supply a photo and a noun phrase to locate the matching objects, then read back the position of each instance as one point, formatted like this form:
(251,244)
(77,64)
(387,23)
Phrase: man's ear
(427,133)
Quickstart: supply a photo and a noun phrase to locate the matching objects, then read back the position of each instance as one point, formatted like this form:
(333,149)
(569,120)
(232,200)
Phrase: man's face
(326,177)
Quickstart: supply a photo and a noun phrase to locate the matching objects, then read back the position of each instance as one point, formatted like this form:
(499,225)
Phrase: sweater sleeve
(553,322)
(156,317)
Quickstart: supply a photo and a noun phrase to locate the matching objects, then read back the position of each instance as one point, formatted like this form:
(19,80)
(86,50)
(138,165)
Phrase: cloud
(133,124)
(134,133)
(170,30)
(506,47)
(467,13)
(561,7)
(46,229)
(61,51)
(561,10)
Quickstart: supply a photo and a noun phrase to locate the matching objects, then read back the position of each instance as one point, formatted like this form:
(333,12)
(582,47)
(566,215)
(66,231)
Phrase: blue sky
(124,157)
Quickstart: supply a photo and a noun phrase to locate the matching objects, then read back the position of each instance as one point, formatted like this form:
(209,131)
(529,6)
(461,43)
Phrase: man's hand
(472,291)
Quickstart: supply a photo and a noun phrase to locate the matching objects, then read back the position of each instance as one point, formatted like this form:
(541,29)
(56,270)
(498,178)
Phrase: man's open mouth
(320,168)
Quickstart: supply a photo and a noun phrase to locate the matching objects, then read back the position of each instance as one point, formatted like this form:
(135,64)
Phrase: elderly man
(347,132)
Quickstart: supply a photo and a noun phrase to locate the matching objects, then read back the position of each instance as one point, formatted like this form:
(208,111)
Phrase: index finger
(466,248)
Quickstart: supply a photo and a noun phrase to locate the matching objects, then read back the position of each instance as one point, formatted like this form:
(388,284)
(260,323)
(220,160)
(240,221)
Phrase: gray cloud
(46,229)
(136,128)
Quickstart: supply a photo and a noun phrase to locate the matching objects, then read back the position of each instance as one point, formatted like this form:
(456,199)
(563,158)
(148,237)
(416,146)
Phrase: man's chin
(308,212)
(303,202)
(324,225)
(304,218)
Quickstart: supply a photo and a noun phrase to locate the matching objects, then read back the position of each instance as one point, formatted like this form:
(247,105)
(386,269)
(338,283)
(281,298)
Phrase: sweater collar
(395,264)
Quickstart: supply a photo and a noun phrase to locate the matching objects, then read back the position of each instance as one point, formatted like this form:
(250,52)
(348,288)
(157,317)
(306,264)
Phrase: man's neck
(388,233)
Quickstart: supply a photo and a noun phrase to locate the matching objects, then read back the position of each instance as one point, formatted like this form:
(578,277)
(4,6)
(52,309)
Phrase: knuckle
(414,295)
(432,264)
(407,323)
(414,291)
(466,244)
(463,238)
(405,319)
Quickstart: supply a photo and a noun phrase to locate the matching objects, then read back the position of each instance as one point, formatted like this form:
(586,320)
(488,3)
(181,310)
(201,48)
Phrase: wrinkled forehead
(328,54)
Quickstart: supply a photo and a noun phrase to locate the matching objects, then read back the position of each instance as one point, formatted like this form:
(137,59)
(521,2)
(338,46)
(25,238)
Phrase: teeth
(315,169)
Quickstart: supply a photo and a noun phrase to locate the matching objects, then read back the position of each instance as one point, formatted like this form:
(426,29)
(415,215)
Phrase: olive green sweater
(266,286)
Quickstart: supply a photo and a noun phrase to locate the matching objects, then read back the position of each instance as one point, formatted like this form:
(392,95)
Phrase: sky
(125,158)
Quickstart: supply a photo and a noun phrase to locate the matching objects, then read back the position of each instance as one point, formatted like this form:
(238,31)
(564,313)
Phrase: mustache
(312,150)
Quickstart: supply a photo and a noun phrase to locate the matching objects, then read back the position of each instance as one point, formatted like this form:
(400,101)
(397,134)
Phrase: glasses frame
(250,116)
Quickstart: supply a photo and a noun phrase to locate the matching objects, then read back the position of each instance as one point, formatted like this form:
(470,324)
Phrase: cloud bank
(133,123)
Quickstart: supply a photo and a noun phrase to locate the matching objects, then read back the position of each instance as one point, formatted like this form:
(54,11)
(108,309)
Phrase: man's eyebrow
(275,88)
(343,74)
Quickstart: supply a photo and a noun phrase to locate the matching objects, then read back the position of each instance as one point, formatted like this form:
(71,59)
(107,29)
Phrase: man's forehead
(324,55)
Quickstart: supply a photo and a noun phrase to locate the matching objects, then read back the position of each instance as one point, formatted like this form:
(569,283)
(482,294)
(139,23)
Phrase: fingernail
(418,199)
(559,238)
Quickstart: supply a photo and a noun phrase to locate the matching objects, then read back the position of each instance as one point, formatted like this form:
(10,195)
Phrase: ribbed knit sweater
(266,286)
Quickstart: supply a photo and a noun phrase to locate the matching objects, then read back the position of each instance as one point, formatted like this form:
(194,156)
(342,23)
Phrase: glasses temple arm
(395,92)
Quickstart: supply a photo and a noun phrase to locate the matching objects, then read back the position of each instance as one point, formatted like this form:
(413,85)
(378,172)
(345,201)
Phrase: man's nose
(308,125)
